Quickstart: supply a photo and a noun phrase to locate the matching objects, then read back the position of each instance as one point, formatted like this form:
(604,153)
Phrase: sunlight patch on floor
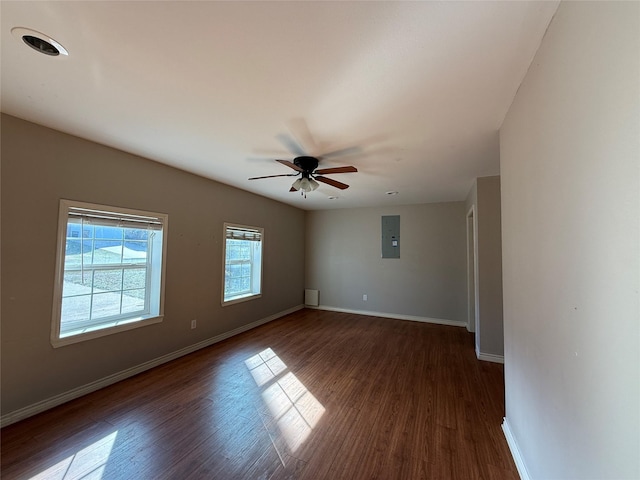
(293,408)
(87,464)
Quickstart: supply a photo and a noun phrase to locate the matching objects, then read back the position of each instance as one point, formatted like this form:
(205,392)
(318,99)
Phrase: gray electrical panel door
(391,236)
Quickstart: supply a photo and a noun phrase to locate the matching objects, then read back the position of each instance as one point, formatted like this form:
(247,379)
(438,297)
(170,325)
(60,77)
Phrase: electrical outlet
(193,323)
(364,297)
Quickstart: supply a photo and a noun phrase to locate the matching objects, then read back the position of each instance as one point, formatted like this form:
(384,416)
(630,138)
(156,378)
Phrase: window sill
(241,298)
(98,331)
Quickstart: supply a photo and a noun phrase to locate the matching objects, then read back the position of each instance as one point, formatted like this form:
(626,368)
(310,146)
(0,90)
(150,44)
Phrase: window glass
(242,263)
(109,269)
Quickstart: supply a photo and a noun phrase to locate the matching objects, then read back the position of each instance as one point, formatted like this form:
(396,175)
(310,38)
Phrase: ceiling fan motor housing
(308,164)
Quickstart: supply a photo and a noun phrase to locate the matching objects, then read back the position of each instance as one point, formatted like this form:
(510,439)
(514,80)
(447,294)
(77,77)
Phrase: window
(109,271)
(242,263)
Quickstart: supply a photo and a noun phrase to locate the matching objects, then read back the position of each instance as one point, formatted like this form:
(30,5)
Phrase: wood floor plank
(313,395)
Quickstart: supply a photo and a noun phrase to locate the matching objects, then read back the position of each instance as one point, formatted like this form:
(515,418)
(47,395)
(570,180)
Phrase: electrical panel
(391,236)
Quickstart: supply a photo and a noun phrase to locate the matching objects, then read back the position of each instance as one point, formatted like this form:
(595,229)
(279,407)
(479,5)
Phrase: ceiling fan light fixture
(305,185)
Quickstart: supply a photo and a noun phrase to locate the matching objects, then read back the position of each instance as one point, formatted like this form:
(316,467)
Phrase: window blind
(113,219)
(243,233)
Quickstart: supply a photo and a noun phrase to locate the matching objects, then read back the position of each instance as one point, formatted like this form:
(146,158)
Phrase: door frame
(473,324)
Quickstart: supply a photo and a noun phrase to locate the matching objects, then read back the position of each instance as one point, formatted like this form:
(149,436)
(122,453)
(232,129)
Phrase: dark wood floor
(314,395)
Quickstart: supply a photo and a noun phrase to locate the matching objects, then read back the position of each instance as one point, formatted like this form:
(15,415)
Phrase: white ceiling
(421,88)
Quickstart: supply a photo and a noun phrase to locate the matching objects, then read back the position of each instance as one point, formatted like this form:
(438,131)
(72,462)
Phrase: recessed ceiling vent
(39,42)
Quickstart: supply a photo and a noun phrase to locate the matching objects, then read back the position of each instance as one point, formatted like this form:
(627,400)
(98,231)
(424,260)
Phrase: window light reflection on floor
(90,462)
(291,406)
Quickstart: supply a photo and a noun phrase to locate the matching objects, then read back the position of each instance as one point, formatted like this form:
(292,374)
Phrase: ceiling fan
(306,168)
(310,175)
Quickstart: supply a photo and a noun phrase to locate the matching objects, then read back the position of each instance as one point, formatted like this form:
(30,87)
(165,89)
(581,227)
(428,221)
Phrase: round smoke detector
(39,41)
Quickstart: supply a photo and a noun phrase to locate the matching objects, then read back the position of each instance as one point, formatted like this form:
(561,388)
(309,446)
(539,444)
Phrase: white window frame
(153,311)
(256,277)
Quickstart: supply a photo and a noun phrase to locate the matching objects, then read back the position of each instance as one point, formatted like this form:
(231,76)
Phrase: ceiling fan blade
(300,131)
(341,152)
(332,182)
(272,176)
(291,144)
(349,169)
(290,165)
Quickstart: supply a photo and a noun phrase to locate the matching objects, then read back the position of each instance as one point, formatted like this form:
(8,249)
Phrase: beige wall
(343,260)
(570,158)
(40,166)
(485,196)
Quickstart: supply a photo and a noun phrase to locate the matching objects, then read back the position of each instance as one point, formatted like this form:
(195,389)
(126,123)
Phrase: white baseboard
(515,451)
(490,357)
(439,321)
(56,400)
